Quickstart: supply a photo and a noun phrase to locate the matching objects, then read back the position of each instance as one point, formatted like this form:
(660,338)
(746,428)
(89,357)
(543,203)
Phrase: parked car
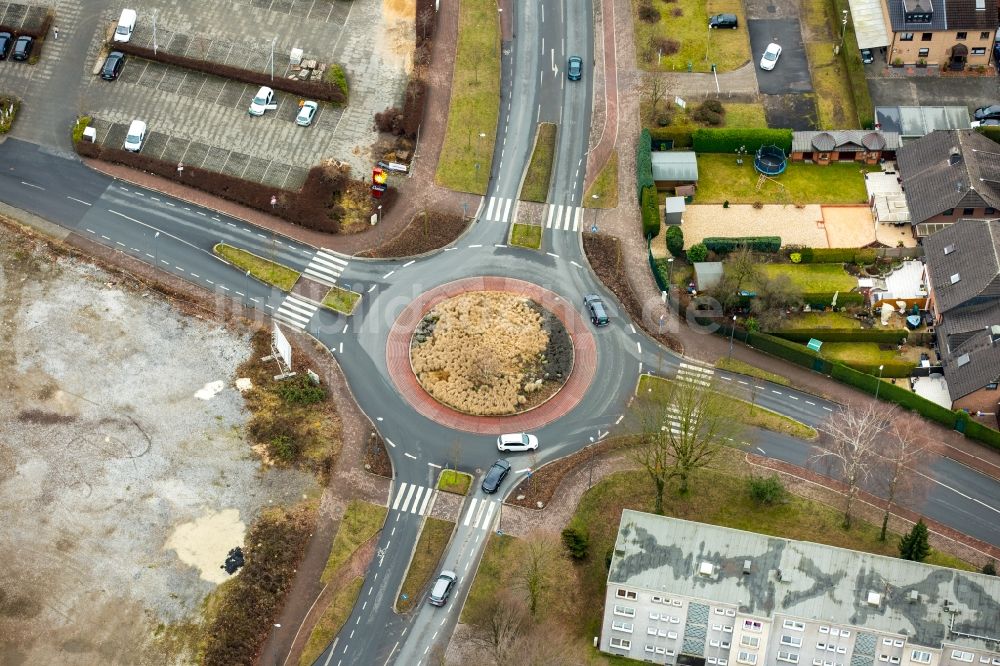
(442,588)
(987,112)
(306,114)
(867,57)
(574,68)
(517,441)
(770,57)
(595,308)
(126,25)
(136,135)
(495,476)
(6,41)
(22,48)
(261,101)
(989,122)
(724,21)
(113,65)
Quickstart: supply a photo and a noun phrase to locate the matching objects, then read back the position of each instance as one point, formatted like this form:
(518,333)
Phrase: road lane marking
(170,204)
(410,263)
(195,275)
(139,194)
(390,442)
(345,329)
(427,499)
(468,514)
(575,264)
(487,521)
(410,455)
(638,346)
(740,381)
(620,417)
(91,231)
(477,245)
(37,187)
(387,275)
(552,255)
(371,289)
(341,349)
(775,392)
(793,397)
(79,201)
(632,328)
(120,243)
(434,465)
(449,249)
(762,451)
(810,402)
(499,245)
(729,379)
(827,409)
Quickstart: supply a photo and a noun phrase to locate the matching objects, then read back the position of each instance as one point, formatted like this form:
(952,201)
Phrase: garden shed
(674,168)
(707,274)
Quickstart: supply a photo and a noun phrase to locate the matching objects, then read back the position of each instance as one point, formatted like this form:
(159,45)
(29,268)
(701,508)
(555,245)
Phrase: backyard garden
(721,180)
(673,35)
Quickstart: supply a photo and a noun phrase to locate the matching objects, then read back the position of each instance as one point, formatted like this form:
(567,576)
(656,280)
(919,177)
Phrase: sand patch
(204,543)
(209,390)
(396,39)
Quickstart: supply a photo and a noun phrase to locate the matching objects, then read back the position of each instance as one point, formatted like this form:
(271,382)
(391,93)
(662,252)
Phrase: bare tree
(539,558)
(683,430)
(654,89)
(775,295)
(738,272)
(549,643)
(900,454)
(506,617)
(854,433)
(425,19)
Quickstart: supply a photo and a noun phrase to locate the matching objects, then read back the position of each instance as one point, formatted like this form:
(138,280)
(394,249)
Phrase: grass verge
(426,556)
(720,179)
(536,180)
(473,111)
(834,100)
(489,576)
(331,621)
(683,37)
(526,235)
(452,481)
(341,300)
(734,365)
(361,522)
(265,270)
(743,411)
(603,192)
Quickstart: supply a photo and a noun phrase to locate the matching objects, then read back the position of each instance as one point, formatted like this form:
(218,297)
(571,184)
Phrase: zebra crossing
(695,374)
(498,210)
(480,514)
(295,311)
(325,266)
(420,497)
(563,218)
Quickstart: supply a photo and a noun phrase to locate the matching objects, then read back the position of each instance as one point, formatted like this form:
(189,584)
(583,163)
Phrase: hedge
(721,245)
(729,140)
(836,255)
(890,369)
(680,137)
(789,351)
(643,164)
(978,431)
(650,208)
(990,133)
(38,31)
(321,89)
(821,300)
(675,240)
(880,335)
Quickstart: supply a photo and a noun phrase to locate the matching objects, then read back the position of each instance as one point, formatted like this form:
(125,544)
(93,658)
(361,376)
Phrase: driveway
(791,74)
(972,91)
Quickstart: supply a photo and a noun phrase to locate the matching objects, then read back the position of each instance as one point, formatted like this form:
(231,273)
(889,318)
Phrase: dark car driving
(22,48)
(724,21)
(6,39)
(495,476)
(113,66)
(595,309)
(574,68)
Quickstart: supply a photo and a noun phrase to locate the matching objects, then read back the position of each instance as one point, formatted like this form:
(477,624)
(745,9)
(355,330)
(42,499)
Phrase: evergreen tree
(914,545)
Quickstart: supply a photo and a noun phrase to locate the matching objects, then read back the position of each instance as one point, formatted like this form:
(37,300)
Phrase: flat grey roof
(818,582)
(916,121)
(671,165)
(869,24)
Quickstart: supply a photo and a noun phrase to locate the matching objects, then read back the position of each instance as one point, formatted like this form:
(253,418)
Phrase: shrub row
(313,206)
(821,300)
(9,107)
(890,369)
(721,245)
(880,335)
(650,212)
(681,138)
(328,91)
(644,163)
(990,133)
(729,140)
(835,255)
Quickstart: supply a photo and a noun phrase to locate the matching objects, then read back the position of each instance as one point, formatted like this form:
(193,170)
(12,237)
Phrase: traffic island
(265,270)
(526,235)
(341,300)
(434,538)
(453,481)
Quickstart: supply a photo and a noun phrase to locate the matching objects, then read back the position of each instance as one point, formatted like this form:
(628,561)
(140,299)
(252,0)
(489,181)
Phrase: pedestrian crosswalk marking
(295,312)
(498,209)
(695,374)
(325,266)
(411,498)
(564,218)
(480,514)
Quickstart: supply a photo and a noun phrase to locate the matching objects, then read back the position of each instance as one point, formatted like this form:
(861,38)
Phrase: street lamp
(879,385)
(843,27)
(732,332)
(590,465)
(156,251)
(670,275)
(479,150)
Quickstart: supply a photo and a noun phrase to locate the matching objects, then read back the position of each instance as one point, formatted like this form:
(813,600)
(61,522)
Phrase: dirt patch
(376,457)
(425,232)
(795,111)
(204,542)
(104,451)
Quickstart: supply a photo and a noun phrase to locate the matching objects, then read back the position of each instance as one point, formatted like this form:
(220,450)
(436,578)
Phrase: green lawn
(603,192)
(867,356)
(475,90)
(813,278)
(734,365)
(727,49)
(536,180)
(821,320)
(329,624)
(361,522)
(341,300)
(493,569)
(526,235)
(747,414)
(426,558)
(744,115)
(271,272)
(720,179)
(452,481)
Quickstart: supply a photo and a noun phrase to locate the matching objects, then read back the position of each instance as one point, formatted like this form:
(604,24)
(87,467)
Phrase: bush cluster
(322,89)
(697,253)
(821,300)
(721,245)
(300,390)
(649,13)
(664,45)
(9,107)
(710,112)
(576,539)
(766,490)
(836,255)
(990,133)
(675,240)
(37,31)
(729,140)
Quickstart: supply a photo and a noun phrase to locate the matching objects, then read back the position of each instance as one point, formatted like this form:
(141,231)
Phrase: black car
(574,68)
(22,48)
(867,57)
(987,112)
(113,66)
(724,21)
(595,308)
(6,39)
(495,476)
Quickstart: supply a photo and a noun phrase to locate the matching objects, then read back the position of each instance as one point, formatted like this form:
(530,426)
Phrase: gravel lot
(121,490)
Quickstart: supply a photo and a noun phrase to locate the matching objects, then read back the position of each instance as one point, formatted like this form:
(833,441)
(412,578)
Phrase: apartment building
(947,33)
(691,594)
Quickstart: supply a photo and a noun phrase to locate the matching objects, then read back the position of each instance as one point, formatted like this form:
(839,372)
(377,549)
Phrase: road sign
(282,345)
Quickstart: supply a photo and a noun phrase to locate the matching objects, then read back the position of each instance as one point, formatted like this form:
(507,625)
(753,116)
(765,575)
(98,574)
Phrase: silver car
(442,588)
(306,114)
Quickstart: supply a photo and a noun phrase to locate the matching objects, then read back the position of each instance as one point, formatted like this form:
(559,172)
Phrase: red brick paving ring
(397,356)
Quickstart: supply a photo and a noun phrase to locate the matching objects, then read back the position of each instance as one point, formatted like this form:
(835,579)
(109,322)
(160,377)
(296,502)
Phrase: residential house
(866,146)
(948,33)
(963,277)
(949,175)
(694,594)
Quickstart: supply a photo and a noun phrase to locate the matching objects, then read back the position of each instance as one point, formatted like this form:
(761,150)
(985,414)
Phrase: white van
(126,24)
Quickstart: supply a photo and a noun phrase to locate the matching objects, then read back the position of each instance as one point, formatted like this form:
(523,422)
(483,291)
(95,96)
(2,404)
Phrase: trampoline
(770,160)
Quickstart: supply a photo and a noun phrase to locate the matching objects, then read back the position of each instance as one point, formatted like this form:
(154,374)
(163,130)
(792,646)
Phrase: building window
(752,625)
(961,35)
(746,657)
(790,657)
(622,593)
(794,641)
(979,50)
(618,625)
(824,629)
(984,35)
(620,643)
(624,611)
(926,36)
(793,625)
(750,641)
(949,212)
(906,37)
(923,53)
(990,211)
(968,211)
(920,657)
(961,655)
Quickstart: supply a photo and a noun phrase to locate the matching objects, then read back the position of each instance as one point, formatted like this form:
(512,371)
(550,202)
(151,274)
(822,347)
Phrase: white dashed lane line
(410,263)
(37,187)
(552,255)
(827,409)
(472,246)
(410,455)
(639,347)
(575,264)
(740,381)
(390,442)
(810,402)
(85,203)
(387,275)
(371,289)
(775,392)
(793,397)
